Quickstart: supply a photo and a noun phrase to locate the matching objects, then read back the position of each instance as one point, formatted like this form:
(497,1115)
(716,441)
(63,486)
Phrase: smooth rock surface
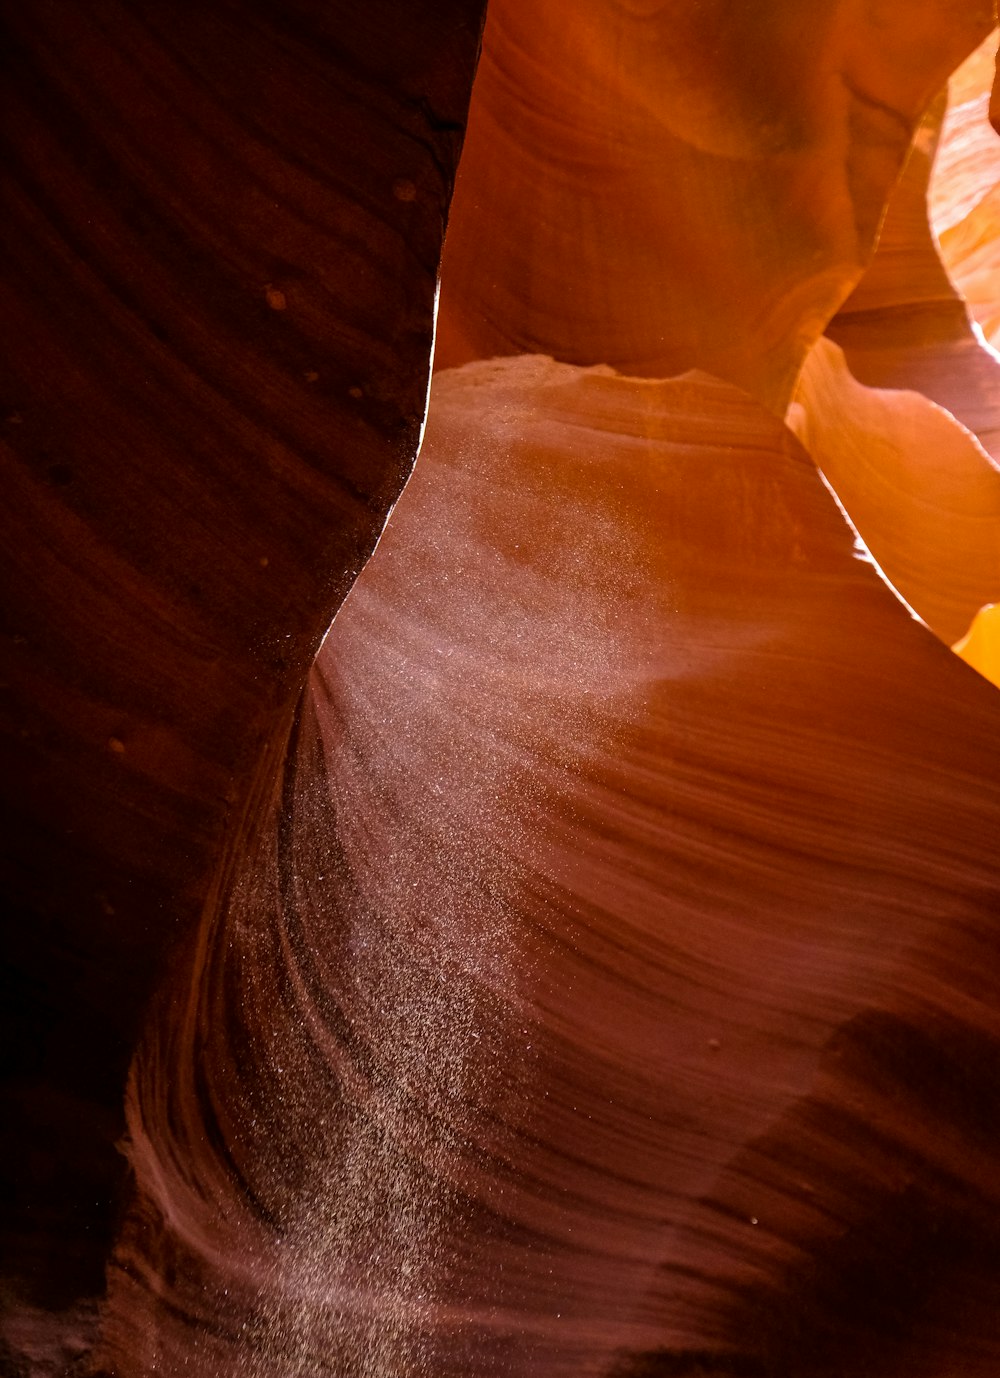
(616,991)
(659,188)
(907,324)
(921,490)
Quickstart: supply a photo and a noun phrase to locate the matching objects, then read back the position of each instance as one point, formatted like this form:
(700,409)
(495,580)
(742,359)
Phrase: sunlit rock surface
(906,324)
(617,994)
(919,487)
(980,647)
(964,200)
(661,190)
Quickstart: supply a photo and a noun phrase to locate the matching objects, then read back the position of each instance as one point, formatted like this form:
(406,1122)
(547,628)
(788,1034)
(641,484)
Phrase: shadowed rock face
(594,972)
(221,227)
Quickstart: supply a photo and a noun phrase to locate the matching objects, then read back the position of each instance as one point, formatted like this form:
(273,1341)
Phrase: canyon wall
(221,229)
(579,959)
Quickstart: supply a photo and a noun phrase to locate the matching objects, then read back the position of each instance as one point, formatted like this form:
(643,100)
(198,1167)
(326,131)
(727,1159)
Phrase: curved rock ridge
(916,484)
(905,325)
(613,988)
(921,490)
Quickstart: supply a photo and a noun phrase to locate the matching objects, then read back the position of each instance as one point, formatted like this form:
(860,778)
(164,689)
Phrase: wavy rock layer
(922,492)
(616,992)
(659,189)
(595,974)
(906,325)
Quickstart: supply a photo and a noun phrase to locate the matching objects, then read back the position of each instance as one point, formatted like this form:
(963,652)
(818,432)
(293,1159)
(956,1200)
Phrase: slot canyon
(530,910)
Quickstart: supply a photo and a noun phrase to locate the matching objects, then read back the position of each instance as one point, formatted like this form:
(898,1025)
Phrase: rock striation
(634,900)
(221,227)
(579,958)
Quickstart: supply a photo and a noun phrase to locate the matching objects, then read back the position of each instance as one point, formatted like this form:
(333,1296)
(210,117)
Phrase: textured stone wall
(583,961)
(221,228)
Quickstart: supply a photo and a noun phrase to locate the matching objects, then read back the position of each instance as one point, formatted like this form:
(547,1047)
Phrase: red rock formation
(221,227)
(634,895)
(963,198)
(921,490)
(906,325)
(916,483)
(596,976)
(724,171)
